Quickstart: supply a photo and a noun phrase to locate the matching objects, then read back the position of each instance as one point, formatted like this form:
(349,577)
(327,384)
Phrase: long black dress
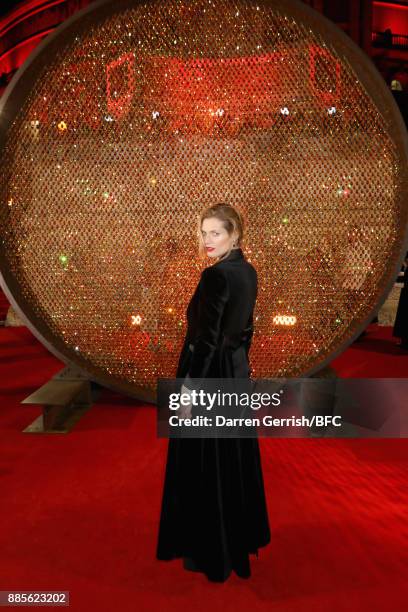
(214,510)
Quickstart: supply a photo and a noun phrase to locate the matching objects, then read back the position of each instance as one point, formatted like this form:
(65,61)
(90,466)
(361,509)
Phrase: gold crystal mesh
(140,115)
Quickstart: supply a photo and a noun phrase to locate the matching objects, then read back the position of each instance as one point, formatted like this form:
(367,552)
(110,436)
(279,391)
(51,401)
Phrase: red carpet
(80,511)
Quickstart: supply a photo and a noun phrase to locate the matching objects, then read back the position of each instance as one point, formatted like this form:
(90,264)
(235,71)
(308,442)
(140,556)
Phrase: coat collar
(235,255)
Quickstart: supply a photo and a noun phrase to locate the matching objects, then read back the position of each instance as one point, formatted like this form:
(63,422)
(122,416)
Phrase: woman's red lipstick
(209,248)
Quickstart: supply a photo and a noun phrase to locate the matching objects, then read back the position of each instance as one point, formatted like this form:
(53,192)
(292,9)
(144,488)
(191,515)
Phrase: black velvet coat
(213,508)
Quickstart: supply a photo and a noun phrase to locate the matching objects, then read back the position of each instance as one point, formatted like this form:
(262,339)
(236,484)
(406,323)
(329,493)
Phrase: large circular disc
(132,117)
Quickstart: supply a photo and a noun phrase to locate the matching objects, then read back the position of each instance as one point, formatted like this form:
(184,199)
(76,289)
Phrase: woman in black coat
(214,511)
(401,320)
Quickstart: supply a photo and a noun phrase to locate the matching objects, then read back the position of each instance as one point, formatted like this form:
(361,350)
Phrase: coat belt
(232,341)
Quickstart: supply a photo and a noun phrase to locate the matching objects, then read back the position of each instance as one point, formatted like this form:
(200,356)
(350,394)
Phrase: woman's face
(215,237)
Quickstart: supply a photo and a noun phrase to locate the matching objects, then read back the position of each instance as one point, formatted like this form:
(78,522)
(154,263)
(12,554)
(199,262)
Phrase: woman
(400,329)
(213,509)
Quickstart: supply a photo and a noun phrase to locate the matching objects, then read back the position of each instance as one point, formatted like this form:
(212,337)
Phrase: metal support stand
(64,399)
(320,399)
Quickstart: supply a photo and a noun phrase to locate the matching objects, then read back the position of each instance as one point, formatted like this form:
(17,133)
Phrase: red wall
(23,28)
(392,16)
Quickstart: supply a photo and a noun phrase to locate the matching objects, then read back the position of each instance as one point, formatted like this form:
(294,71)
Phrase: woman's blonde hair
(232,221)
